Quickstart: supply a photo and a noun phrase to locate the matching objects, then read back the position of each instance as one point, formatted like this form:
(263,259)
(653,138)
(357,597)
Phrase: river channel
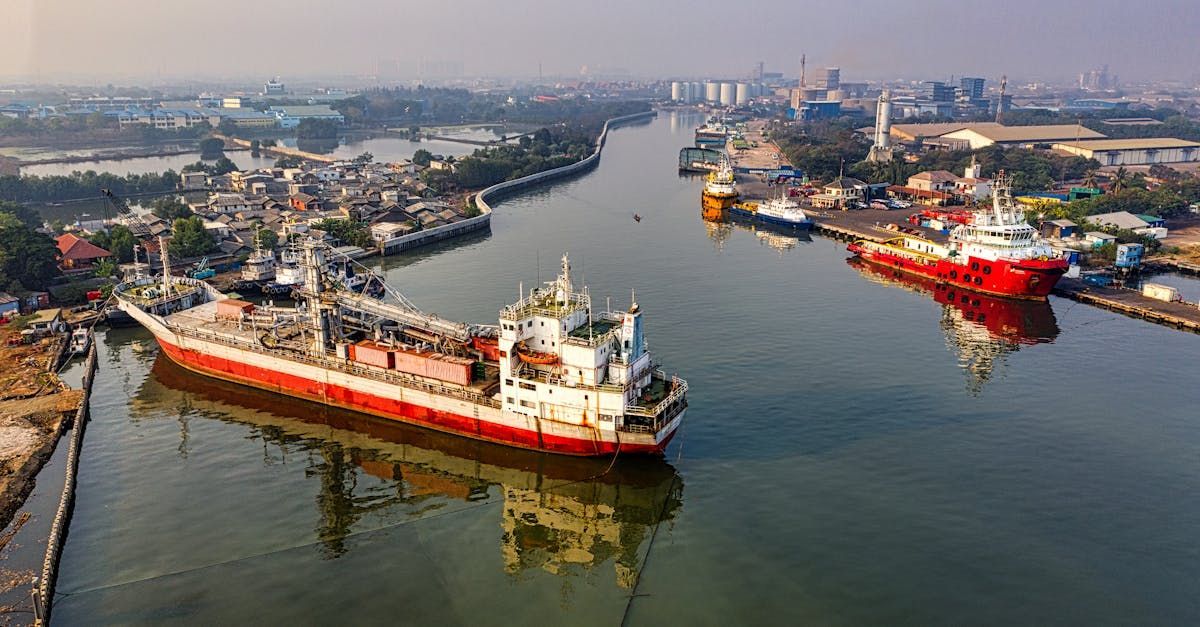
(858,449)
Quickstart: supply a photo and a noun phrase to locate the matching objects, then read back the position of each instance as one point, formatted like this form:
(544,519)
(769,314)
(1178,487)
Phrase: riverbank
(494,192)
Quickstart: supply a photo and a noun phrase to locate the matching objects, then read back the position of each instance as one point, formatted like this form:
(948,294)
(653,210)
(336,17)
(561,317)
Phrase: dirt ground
(33,406)
(1183,232)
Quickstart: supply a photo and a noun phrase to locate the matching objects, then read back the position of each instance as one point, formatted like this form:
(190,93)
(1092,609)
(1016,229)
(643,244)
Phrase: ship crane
(131,219)
(376,314)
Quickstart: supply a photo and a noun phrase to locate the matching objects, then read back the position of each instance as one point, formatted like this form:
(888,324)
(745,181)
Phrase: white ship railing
(386,376)
(662,412)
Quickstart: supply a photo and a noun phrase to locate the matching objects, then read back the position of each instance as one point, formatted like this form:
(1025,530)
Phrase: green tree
(107,268)
(211,148)
(227,127)
(422,157)
(119,241)
(312,128)
(347,232)
(289,161)
(364,158)
(189,239)
(170,208)
(27,257)
(223,166)
(254,147)
(267,238)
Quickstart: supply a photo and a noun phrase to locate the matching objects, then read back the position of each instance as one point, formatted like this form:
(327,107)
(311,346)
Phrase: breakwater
(499,190)
(43,593)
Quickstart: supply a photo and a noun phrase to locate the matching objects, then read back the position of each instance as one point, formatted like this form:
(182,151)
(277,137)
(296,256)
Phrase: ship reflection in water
(982,329)
(720,228)
(566,516)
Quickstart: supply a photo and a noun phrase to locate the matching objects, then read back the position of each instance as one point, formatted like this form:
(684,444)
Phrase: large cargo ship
(720,191)
(552,376)
(996,252)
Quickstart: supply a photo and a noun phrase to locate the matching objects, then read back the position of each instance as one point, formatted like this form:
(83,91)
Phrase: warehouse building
(1147,151)
(976,136)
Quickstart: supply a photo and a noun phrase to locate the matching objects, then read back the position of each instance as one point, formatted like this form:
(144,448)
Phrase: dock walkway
(1183,316)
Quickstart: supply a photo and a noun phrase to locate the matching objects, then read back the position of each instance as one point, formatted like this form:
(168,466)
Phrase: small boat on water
(81,340)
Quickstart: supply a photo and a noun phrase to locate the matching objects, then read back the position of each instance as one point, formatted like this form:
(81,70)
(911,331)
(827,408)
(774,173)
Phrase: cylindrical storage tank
(742,95)
(727,94)
(676,91)
(695,92)
(712,91)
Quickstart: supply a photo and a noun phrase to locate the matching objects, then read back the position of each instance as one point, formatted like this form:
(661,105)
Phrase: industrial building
(1147,151)
(976,136)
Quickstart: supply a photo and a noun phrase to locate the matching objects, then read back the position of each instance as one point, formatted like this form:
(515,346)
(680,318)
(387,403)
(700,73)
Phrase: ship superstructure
(720,190)
(552,376)
(996,252)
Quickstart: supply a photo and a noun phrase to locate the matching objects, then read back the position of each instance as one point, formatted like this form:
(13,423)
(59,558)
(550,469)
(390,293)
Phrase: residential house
(933,181)
(1097,239)
(1153,226)
(227,203)
(1058,229)
(841,192)
(76,254)
(304,202)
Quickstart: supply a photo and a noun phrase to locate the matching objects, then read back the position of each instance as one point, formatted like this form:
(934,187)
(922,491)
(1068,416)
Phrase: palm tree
(1120,179)
(1089,178)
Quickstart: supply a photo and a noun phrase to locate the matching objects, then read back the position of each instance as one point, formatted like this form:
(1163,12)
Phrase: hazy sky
(102,40)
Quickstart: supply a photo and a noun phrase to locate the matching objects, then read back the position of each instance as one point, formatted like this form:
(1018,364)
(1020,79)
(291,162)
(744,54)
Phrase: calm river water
(858,450)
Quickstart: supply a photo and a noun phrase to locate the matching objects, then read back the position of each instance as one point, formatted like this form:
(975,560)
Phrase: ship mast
(166,265)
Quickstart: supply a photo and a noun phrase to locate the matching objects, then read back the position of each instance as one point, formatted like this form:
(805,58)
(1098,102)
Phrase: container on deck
(412,362)
(1161,292)
(234,309)
(372,354)
(447,368)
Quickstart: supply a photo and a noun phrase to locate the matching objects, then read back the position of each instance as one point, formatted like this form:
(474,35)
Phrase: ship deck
(202,322)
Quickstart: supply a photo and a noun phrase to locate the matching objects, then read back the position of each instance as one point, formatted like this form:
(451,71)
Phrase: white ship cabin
(558,361)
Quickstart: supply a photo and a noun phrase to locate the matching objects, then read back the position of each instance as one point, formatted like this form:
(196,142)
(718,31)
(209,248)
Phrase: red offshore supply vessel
(996,252)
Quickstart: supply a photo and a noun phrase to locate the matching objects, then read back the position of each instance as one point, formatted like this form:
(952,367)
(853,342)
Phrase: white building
(289,116)
(984,135)
(1148,151)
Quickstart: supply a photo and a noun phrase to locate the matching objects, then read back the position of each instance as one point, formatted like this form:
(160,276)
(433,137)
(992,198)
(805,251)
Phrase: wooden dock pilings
(43,589)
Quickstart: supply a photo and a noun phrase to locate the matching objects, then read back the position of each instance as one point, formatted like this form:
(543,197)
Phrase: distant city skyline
(80,41)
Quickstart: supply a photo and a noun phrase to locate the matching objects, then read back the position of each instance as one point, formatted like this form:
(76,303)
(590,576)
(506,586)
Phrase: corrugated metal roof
(1156,143)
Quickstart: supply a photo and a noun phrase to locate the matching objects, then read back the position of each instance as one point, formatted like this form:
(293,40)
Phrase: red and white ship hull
(1011,278)
(423,407)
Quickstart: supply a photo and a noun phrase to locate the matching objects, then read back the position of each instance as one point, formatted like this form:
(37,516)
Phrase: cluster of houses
(390,198)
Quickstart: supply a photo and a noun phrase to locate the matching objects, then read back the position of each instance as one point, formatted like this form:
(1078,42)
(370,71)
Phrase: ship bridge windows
(528,386)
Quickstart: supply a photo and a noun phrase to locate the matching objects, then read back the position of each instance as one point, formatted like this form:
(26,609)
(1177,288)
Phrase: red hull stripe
(999,278)
(391,409)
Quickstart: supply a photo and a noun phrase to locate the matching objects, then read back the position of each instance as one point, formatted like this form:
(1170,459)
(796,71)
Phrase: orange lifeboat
(535,358)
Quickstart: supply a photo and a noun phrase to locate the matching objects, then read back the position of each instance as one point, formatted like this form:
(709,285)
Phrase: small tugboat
(81,340)
(720,191)
(997,252)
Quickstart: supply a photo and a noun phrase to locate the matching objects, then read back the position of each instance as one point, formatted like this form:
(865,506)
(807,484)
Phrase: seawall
(499,190)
